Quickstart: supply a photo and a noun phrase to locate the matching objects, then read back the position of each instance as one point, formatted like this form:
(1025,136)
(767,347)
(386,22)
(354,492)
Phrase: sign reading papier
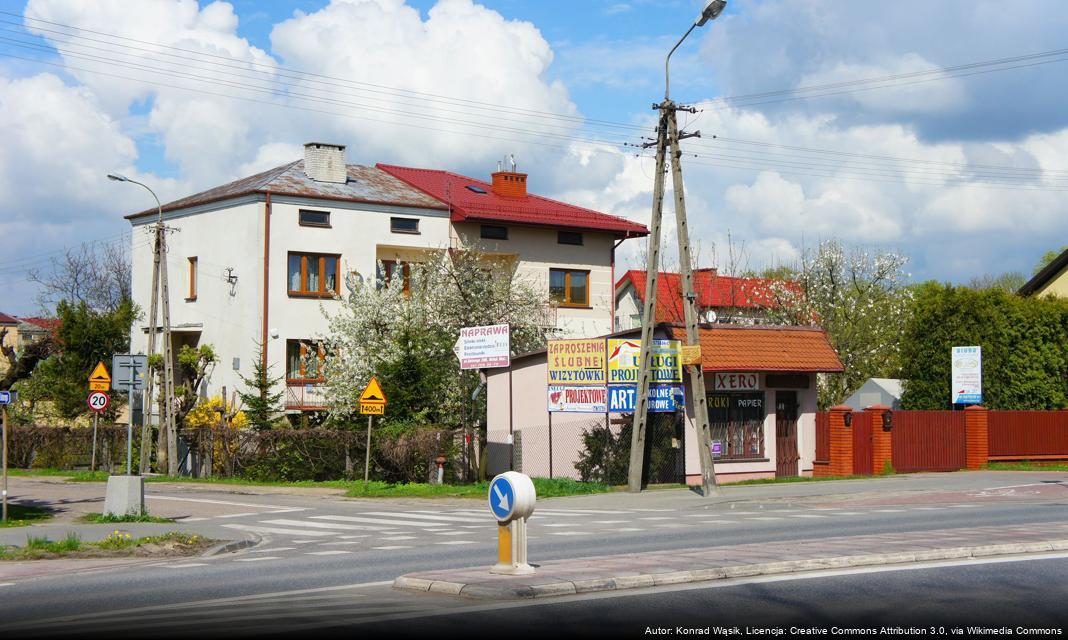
(967,375)
(575,399)
(484,347)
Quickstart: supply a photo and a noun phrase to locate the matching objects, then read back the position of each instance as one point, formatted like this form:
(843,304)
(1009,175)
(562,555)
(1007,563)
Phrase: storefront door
(786,454)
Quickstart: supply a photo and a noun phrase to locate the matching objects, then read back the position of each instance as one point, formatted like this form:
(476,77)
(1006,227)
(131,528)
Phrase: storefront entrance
(786,453)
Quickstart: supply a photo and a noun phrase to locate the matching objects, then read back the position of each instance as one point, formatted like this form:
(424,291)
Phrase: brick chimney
(509,184)
(325,162)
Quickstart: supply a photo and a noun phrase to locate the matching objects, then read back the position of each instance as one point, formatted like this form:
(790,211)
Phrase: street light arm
(667,62)
(159,207)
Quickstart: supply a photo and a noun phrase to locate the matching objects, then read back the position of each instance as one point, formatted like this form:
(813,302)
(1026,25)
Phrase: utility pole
(167,446)
(146,441)
(668,136)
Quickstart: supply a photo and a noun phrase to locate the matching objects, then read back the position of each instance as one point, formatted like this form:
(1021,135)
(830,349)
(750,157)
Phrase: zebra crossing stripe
(323,525)
(287,532)
(378,521)
(425,515)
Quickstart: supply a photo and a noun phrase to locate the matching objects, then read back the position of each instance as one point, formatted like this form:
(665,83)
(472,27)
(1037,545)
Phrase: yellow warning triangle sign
(100,374)
(372,394)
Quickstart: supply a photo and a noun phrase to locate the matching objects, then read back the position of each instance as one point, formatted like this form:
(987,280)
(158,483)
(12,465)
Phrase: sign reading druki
(484,347)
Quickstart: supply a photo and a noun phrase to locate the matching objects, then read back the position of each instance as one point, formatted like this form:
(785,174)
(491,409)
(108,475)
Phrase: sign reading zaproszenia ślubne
(967,375)
(575,373)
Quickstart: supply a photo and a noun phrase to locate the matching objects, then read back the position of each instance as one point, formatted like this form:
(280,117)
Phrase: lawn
(1027,465)
(22,515)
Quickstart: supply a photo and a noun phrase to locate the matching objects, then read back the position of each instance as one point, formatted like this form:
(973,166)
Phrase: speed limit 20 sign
(98,400)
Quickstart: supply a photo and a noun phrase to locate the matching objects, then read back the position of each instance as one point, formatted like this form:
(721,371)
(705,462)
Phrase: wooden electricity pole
(146,419)
(168,368)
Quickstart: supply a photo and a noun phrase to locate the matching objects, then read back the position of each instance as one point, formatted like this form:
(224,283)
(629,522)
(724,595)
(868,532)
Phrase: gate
(862,444)
(786,454)
(928,441)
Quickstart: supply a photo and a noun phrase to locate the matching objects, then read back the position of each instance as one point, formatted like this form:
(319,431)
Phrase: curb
(250,540)
(489,591)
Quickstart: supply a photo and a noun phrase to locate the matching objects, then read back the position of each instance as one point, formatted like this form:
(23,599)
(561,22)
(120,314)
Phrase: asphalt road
(323,551)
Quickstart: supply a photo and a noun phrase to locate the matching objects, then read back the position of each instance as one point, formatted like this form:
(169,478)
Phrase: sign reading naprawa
(484,347)
(576,362)
(663,398)
(624,360)
(736,382)
(967,375)
(575,399)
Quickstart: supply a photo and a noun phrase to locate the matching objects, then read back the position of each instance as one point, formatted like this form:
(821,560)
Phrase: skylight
(476,188)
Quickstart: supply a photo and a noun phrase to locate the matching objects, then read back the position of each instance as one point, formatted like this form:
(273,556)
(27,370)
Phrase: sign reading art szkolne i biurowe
(623,362)
(576,375)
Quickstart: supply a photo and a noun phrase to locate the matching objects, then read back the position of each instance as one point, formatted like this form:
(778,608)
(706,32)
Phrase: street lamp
(711,12)
(118,177)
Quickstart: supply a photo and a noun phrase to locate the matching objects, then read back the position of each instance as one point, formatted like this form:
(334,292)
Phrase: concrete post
(841,442)
(976,437)
(882,448)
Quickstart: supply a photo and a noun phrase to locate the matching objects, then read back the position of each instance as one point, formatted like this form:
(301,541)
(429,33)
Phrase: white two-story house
(252,261)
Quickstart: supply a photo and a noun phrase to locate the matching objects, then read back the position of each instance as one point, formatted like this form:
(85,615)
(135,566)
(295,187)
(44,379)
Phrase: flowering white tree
(403,329)
(862,300)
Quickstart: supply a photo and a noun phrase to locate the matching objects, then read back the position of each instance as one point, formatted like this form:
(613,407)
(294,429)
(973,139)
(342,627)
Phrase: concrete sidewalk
(610,573)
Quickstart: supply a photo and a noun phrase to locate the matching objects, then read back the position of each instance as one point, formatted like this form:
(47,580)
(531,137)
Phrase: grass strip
(19,515)
(792,479)
(1027,465)
(117,544)
(109,518)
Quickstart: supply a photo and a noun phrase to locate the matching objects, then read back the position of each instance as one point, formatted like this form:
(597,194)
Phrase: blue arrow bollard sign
(7,397)
(502,499)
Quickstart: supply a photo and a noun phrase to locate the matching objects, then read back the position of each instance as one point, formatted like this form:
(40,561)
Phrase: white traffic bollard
(511,501)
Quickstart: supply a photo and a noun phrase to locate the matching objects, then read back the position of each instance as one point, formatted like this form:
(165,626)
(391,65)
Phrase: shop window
(304,361)
(312,274)
(737,421)
(569,288)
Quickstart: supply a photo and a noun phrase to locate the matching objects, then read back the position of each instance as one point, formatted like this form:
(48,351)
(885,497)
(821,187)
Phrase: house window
(310,218)
(404,225)
(192,280)
(494,232)
(569,288)
(569,237)
(396,269)
(304,361)
(313,274)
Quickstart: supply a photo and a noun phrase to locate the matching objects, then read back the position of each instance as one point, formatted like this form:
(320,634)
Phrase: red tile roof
(45,323)
(465,204)
(713,291)
(764,348)
(6,319)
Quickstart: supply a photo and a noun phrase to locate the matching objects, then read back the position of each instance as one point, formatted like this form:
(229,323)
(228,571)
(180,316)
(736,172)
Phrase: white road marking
(320,525)
(302,541)
(766,518)
(576,512)
(457,542)
(190,519)
(422,515)
(927,508)
(362,535)
(452,533)
(609,521)
(964,506)
(184,566)
(7,584)
(889,511)
(291,532)
(326,553)
(380,521)
(239,515)
(715,522)
(570,533)
(558,524)
(807,515)
(672,525)
(656,518)
(630,529)
(256,559)
(395,538)
(272,549)
(396,546)
(847,513)
(343,542)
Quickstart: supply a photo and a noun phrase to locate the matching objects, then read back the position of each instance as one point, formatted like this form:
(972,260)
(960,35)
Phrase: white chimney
(325,162)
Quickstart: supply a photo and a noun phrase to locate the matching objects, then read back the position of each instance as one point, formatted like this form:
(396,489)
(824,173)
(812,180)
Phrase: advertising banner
(484,347)
(576,362)
(575,399)
(967,375)
(623,361)
(663,398)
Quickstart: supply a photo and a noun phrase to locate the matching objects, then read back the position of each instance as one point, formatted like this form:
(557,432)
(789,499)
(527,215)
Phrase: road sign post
(372,403)
(511,501)
(5,399)
(126,494)
(98,401)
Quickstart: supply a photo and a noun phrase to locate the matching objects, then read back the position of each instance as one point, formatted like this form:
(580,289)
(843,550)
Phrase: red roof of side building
(486,206)
(45,323)
(6,319)
(713,291)
(764,348)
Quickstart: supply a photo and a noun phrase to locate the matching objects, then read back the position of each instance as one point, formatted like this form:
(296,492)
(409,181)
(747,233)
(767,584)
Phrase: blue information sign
(502,498)
(7,397)
(663,398)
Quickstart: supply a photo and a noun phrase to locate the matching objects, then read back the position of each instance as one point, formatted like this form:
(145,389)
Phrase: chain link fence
(595,448)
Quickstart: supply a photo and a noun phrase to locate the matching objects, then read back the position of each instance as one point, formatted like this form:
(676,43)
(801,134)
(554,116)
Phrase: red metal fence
(1028,434)
(928,441)
(823,437)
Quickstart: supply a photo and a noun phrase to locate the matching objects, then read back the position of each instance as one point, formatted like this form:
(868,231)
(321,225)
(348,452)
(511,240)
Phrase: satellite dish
(710,316)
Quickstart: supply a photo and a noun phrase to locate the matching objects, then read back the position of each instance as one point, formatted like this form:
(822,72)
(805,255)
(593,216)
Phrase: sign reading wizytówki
(579,362)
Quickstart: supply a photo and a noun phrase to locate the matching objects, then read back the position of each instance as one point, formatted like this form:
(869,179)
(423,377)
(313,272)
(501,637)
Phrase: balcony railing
(305,397)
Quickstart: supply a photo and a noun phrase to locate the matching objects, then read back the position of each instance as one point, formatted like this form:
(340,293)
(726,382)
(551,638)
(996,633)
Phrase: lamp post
(159,280)
(668,135)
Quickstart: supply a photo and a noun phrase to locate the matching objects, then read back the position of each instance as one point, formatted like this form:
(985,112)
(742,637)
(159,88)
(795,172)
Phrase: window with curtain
(312,274)
(304,361)
(569,288)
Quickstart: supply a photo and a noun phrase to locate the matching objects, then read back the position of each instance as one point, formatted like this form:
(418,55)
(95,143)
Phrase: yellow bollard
(504,545)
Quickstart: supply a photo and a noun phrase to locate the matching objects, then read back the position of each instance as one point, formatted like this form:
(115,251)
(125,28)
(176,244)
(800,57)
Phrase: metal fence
(596,448)
(1023,434)
(928,441)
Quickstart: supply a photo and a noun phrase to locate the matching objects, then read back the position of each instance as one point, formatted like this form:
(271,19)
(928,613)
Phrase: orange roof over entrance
(765,348)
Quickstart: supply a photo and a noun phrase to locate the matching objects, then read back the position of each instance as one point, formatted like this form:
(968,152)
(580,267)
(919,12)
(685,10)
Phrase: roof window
(476,189)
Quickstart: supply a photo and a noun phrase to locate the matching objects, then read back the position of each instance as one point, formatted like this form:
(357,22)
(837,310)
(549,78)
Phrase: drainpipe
(613,287)
(266,277)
